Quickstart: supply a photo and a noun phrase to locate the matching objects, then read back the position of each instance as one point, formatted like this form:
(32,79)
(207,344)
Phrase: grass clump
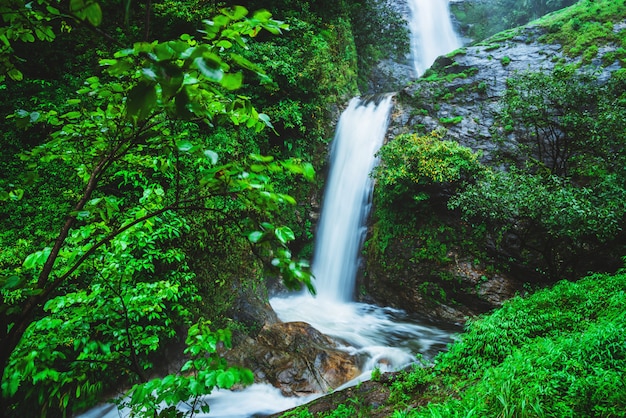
(558,353)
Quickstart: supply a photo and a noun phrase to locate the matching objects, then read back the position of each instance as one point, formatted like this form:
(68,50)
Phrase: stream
(379,337)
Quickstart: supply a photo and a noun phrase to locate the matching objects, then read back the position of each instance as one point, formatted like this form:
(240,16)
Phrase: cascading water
(360,132)
(381,338)
(378,337)
(432,33)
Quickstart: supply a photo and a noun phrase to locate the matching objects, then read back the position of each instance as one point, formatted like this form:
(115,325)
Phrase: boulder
(296,358)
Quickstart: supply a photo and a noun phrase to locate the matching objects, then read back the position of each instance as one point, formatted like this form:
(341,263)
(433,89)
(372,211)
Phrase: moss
(585,27)
(451,121)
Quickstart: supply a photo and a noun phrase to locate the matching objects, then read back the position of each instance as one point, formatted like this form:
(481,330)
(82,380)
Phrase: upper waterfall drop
(432,33)
(360,133)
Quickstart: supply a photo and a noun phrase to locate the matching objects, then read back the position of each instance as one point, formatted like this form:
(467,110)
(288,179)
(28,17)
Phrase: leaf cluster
(205,371)
(411,162)
(113,283)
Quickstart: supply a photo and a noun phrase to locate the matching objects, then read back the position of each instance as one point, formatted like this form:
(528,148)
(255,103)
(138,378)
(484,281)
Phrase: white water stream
(432,33)
(379,337)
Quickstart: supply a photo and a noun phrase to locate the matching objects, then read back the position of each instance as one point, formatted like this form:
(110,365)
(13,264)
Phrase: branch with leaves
(120,136)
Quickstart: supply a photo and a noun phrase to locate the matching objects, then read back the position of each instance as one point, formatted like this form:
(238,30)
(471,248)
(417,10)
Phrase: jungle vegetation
(159,158)
(156,156)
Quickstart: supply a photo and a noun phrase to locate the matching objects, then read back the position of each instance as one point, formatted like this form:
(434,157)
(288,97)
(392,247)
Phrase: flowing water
(341,230)
(378,337)
(432,33)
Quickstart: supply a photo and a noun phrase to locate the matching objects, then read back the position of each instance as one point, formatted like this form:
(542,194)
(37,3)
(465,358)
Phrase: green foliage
(568,197)
(112,328)
(444,71)
(546,216)
(410,166)
(564,116)
(562,210)
(411,383)
(23,22)
(411,160)
(204,371)
(584,27)
(451,120)
(487,18)
(559,352)
(96,300)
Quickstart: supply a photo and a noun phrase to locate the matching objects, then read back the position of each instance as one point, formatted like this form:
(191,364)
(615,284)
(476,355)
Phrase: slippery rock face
(466,97)
(296,358)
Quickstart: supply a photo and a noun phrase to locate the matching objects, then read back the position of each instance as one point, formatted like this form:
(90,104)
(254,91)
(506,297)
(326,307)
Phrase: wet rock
(372,400)
(467,290)
(296,358)
(472,92)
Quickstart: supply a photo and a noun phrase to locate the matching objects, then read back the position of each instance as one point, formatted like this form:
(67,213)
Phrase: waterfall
(379,337)
(360,132)
(432,33)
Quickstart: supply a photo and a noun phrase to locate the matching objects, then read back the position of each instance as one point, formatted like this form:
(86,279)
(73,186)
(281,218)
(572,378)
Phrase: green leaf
(53,10)
(12,282)
(164,52)
(232,81)
(141,100)
(76,6)
(235,13)
(266,120)
(226,379)
(246,376)
(284,234)
(15,74)
(184,145)
(210,67)
(262,158)
(37,259)
(72,115)
(93,12)
(309,171)
(212,156)
(255,236)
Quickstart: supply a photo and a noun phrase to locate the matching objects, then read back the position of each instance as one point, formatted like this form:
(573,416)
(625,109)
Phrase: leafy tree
(544,217)
(411,164)
(103,295)
(555,115)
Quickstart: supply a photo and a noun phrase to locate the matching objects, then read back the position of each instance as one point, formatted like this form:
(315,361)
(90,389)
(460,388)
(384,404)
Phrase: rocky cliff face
(462,93)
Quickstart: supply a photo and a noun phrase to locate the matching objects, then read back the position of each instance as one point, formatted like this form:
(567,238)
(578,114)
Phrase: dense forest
(162,165)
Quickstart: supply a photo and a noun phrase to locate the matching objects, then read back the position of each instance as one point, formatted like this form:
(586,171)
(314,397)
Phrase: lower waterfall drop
(379,337)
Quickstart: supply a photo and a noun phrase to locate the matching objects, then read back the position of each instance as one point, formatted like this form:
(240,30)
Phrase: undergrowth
(558,353)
